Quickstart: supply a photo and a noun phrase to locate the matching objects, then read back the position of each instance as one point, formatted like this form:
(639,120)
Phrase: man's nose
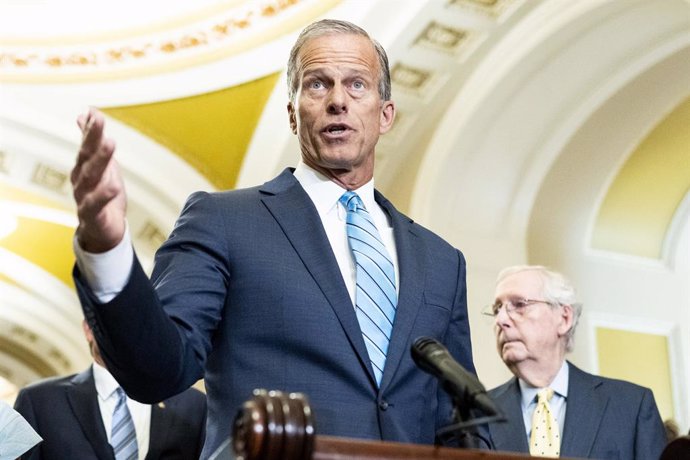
(337,99)
(502,316)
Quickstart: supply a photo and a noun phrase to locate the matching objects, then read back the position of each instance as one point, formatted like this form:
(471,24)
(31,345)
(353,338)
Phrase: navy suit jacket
(604,419)
(64,411)
(257,300)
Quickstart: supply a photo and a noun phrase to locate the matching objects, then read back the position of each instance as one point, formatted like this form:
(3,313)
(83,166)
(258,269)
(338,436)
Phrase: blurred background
(553,132)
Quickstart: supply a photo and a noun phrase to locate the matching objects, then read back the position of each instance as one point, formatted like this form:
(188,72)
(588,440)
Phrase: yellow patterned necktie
(544,441)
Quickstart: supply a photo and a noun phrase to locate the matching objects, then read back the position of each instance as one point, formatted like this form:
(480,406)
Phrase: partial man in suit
(258,288)
(554,408)
(75,417)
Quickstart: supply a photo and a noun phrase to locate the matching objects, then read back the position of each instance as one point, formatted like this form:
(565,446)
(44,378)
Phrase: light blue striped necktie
(375,296)
(123,435)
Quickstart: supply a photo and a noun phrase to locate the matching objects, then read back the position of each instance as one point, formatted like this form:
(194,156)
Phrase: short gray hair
(334,27)
(557,290)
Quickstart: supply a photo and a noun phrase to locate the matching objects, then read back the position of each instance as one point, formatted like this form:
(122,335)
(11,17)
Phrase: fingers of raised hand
(98,187)
(89,173)
(92,127)
(101,212)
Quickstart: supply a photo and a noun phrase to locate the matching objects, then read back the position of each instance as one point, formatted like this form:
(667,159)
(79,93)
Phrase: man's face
(537,332)
(338,114)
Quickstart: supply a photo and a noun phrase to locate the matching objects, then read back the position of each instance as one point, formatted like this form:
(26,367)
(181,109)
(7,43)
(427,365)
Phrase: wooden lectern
(280,426)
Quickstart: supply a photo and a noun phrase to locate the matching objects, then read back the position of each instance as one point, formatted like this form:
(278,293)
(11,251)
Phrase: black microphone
(434,358)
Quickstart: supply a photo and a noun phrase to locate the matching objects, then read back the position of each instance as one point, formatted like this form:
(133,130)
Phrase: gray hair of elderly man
(557,290)
(334,27)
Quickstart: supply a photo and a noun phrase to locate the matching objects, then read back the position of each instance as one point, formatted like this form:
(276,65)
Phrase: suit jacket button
(383,405)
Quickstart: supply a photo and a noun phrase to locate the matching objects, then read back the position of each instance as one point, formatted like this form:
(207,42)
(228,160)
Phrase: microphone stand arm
(464,424)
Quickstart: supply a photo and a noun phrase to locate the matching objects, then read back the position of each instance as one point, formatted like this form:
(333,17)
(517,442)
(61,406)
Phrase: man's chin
(511,355)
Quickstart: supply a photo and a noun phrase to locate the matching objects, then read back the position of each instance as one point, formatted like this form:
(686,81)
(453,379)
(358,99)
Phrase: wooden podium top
(280,426)
(333,448)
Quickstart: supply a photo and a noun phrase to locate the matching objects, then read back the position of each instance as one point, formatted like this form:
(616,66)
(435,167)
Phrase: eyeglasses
(513,306)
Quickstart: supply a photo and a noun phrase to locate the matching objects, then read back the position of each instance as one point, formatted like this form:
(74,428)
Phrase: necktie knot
(544,395)
(351,201)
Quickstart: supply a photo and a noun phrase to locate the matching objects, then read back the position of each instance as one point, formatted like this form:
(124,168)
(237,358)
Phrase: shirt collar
(325,193)
(559,385)
(105,382)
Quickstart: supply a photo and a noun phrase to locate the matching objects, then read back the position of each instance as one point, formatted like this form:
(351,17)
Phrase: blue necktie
(375,296)
(123,435)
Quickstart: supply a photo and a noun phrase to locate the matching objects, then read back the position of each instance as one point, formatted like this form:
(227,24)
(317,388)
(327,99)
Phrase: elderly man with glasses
(552,407)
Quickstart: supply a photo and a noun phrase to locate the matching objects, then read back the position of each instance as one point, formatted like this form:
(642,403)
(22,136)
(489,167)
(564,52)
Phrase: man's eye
(519,304)
(316,84)
(358,85)
(495,307)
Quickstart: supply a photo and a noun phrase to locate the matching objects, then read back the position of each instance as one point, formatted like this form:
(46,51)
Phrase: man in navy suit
(255,288)
(535,315)
(74,415)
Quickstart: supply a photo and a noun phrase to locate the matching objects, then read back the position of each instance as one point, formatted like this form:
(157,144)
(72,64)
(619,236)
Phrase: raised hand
(98,187)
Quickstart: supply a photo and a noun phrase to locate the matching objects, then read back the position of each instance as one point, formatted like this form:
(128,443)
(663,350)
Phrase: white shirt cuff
(106,273)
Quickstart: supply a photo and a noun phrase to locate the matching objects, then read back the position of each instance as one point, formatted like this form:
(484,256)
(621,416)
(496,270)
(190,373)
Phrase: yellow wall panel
(209,131)
(642,200)
(45,244)
(639,358)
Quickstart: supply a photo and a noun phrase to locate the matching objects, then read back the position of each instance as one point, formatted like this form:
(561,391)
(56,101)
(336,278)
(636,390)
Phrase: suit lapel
(411,268)
(510,435)
(83,399)
(291,207)
(583,414)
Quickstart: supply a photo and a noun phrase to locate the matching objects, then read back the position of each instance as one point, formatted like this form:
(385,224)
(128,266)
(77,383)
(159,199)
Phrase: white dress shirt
(558,402)
(107,400)
(325,193)
(107,273)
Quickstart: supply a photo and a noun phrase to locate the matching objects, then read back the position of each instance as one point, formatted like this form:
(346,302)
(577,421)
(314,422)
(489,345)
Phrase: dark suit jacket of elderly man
(258,301)
(604,419)
(65,412)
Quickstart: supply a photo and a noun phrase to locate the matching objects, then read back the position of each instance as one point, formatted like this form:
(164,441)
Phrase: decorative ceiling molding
(151,234)
(236,30)
(43,334)
(51,178)
(410,78)
(552,88)
(4,161)
(43,366)
(457,42)
(493,8)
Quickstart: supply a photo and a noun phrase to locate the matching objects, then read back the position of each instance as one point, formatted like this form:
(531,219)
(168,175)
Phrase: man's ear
(292,117)
(567,318)
(87,330)
(387,117)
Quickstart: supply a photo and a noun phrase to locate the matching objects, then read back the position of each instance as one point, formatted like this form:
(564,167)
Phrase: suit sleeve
(155,334)
(650,438)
